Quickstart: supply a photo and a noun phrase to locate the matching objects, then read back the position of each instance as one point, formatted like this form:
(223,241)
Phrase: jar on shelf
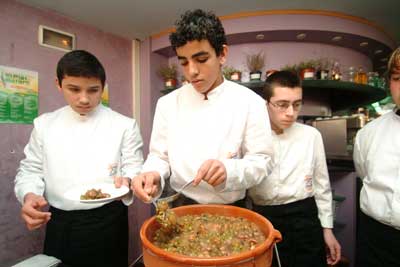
(322,74)
(236,76)
(335,73)
(361,76)
(381,82)
(350,74)
(307,74)
(373,79)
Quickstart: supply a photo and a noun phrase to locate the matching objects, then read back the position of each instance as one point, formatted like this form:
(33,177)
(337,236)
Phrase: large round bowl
(260,256)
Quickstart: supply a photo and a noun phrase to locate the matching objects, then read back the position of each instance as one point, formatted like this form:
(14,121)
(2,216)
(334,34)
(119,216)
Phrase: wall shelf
(344,95)
(340,94)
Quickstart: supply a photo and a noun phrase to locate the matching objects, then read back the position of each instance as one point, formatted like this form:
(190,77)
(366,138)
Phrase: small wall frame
(56,39)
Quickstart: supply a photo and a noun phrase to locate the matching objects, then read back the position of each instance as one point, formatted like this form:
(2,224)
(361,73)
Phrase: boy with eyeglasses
(296,197)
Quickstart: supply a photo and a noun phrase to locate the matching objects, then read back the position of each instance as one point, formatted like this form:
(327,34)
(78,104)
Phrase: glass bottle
(335,73)
(376,79)
(371,78)
(361,76)
(351,74)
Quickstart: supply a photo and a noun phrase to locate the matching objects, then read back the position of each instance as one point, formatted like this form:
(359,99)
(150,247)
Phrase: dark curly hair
(199,25)
(80,63)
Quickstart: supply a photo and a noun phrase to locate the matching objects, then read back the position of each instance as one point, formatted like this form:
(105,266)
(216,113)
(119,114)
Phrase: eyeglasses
(284,105)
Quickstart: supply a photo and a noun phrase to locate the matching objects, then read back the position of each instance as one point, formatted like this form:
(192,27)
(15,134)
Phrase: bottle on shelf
(382,82)
(335,72)
(350,74)
(361,76)
(373,79)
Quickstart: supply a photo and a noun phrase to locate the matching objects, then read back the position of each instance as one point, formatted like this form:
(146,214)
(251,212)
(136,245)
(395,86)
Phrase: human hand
(31,211)
(333,249)
(146,185)
(120,181)
(211,171)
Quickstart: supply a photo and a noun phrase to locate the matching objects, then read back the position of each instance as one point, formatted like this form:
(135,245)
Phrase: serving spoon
(175,196)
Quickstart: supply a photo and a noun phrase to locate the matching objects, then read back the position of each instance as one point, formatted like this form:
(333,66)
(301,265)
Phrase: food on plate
(205,235)
(94,194)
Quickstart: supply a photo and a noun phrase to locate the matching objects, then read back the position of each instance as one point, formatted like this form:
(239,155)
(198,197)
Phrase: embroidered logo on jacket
(308,183)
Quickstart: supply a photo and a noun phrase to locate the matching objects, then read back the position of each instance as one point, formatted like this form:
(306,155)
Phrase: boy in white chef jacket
(296,197)
(211,130)
(82,143)
(377,161)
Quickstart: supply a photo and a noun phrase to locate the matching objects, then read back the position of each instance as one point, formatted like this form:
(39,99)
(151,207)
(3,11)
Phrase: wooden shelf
(342,95)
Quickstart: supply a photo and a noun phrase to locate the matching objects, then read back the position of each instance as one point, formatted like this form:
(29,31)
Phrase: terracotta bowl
(260,256)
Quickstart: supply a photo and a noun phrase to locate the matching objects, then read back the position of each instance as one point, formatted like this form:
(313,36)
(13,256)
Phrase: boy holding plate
(82,143)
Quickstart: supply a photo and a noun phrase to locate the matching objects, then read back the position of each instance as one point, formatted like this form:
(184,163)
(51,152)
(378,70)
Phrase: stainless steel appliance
(338,134)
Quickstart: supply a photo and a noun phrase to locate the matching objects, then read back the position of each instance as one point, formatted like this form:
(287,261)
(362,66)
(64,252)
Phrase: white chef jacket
(299,172)
(377,161)
(231,126)
(66,150)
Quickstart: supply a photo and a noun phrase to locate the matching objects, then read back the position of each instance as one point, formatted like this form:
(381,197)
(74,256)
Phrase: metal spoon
(176,195)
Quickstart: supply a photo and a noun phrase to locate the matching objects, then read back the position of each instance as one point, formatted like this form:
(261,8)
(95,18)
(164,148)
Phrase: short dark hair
(199,25)
(280,78)
(80,63)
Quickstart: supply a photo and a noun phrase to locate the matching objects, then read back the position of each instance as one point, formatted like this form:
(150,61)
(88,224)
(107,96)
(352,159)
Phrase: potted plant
(307,69)
(255,63)
(292,68)
(168,73)
(232,74)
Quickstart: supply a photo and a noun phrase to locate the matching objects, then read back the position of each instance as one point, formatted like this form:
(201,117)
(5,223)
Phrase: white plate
(75,193)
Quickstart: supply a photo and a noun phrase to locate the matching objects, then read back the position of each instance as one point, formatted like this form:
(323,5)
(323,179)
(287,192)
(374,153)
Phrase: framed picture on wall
(56,39)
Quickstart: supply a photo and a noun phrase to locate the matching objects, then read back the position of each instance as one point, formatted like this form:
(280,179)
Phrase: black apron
(96,237)
(377,244)
(302,243)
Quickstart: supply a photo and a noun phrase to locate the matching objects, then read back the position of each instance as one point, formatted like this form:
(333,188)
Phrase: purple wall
(279,54)
(300,22)
(19,48)
(151,85)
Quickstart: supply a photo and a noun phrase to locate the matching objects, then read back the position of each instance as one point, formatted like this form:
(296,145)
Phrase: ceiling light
(364,44)
(301,36)
(260,36)
(384,59)
(337,38)
(378,51)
